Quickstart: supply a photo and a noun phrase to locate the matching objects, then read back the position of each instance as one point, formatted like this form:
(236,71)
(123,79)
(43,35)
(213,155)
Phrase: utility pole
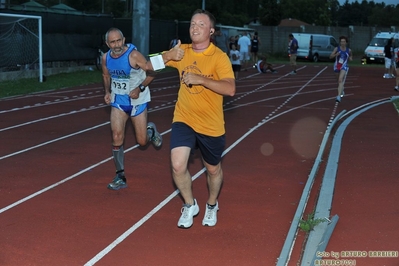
(141,25)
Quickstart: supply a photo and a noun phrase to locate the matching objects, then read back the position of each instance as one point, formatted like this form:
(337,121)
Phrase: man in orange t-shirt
(206,76)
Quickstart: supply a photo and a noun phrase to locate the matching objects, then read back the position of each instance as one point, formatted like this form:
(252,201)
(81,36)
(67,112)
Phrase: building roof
(30,6)
(35,6)
(62,8)
(291,22)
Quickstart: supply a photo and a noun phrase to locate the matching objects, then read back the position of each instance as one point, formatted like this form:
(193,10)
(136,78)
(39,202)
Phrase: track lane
(242,170)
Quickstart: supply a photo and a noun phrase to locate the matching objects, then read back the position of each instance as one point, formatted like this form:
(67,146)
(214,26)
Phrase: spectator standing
(255,42)
(221,40)
(388,51)
(236,40)
(293,48)
(232,40)
(244,45)
(235,60)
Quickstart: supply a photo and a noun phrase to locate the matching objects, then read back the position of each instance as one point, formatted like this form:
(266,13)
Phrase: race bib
(120,86)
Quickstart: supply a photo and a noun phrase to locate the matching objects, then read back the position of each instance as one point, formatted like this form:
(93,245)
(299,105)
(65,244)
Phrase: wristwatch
(142,87)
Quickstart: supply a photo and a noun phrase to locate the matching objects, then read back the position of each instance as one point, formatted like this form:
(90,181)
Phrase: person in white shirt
(235,60)
(244,45)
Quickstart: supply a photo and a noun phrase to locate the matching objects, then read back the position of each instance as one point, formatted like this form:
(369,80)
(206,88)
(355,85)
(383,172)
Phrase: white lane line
(51,141)
(128,232)
(58,101)
(268,118)
(68,178)
(319,237)
(173,194)
(52,186)
(54,116)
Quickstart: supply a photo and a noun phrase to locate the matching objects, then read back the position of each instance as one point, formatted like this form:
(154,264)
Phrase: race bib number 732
(120,86)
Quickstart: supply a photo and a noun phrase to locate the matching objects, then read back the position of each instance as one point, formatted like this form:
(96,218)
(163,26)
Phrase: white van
(374,52)
(315,47)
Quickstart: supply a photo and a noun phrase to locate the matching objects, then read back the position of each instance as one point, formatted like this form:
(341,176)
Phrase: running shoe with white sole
(210,218)
(118,183)
(188,212)
(153,135)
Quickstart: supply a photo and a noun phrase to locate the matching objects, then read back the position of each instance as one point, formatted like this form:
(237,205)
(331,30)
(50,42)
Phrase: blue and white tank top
(125,78)
(341,61)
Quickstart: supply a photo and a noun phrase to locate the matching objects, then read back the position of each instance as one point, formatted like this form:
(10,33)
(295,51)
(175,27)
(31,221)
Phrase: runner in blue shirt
(342,55)
(126,91)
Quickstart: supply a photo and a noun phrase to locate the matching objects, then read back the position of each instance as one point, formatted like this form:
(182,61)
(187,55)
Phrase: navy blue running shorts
(211,147)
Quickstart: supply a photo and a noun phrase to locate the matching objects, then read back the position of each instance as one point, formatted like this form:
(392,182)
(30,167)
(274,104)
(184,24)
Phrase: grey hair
(111,30)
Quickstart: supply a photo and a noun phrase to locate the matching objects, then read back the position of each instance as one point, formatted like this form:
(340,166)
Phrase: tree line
(241,12)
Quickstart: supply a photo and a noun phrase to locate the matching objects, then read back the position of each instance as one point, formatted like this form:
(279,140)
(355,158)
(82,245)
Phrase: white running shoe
(210,218)
(396,88)
(188,212)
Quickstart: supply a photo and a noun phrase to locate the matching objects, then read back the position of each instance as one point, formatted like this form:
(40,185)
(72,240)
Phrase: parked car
(374,52)
(315,47)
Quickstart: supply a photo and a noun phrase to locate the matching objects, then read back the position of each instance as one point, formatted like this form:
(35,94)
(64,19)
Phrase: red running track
(55,164)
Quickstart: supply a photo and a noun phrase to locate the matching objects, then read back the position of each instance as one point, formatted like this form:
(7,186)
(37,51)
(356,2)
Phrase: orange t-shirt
(199,107)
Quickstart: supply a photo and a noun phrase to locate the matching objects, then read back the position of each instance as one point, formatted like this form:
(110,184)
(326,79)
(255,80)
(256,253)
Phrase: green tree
(324,15)
(270,13)
(334,11)
(175,9)
(229,12)
(344,18)
(240,12)
(308,11)
(384,16)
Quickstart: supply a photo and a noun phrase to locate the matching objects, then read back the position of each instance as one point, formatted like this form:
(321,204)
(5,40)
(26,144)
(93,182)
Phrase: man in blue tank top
(126,90)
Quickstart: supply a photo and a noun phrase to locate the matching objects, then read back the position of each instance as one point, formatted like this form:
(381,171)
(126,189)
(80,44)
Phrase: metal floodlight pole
(203,4)
(40,51)
(141,25)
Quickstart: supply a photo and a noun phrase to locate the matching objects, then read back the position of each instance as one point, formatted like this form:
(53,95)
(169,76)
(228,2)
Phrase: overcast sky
(387,2)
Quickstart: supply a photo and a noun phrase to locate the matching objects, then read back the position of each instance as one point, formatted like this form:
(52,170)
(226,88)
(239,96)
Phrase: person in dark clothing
(388,51)
(255,42)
